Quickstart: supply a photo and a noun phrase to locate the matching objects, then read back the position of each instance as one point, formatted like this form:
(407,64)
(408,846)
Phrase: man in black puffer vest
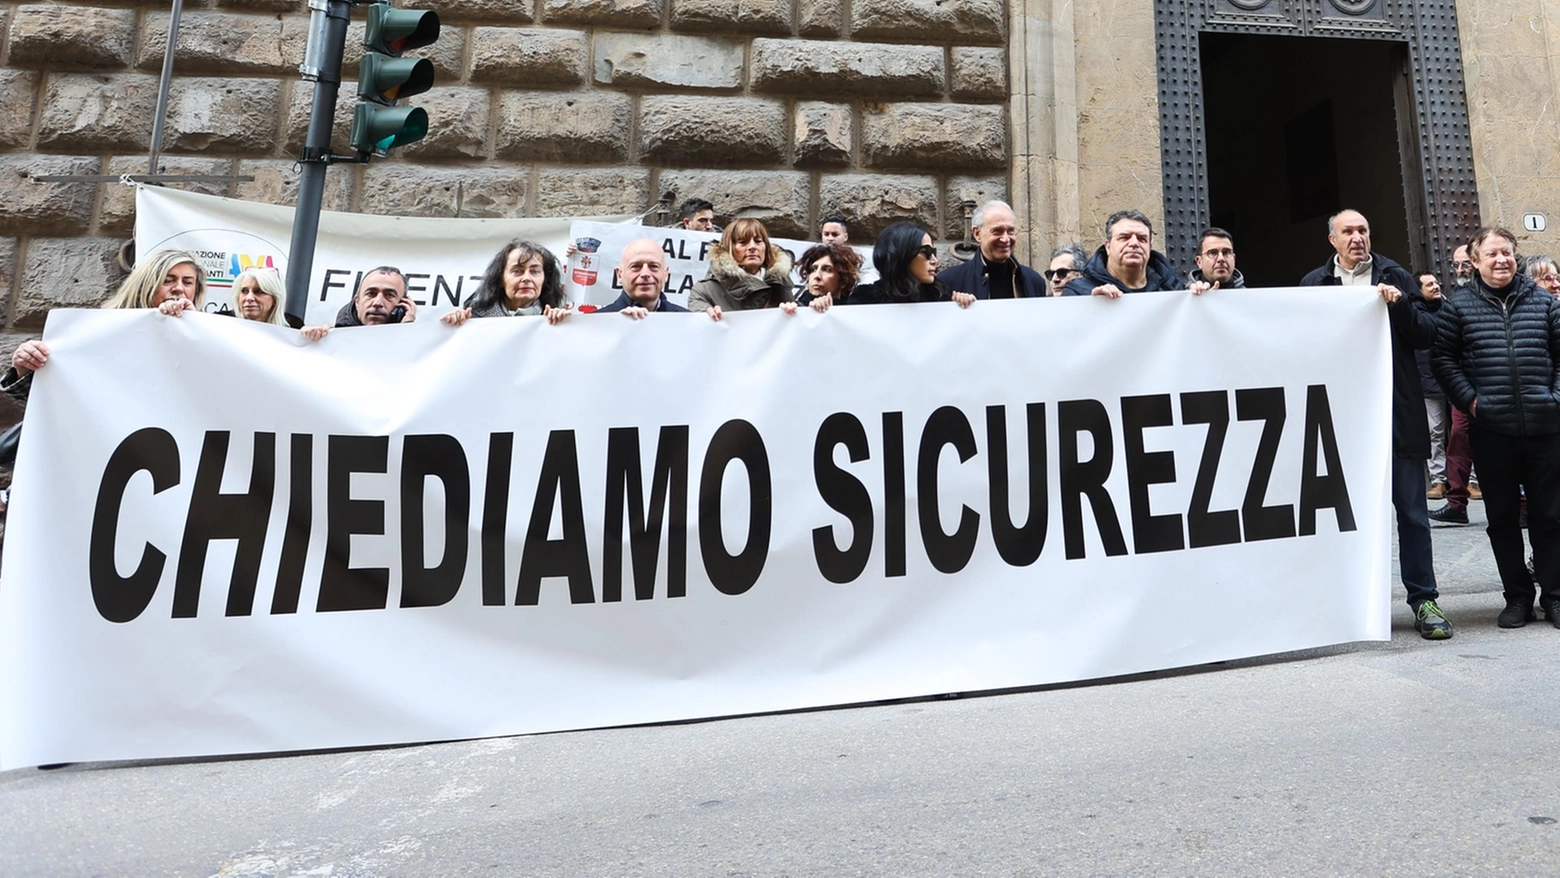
(1497,356)
(1413,327)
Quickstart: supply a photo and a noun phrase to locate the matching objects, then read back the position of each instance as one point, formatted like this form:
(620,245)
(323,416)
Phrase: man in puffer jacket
(1126,262)
(1498,358)
(1413,327)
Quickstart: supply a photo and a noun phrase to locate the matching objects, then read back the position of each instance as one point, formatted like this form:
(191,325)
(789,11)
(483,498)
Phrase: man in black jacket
(1127,262)
(642,273)
(1413,327)
(993,273)
(1216,261)
(1498,358)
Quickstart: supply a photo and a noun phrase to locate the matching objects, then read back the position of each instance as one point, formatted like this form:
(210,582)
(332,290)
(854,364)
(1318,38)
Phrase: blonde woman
(258,295)
(169,280)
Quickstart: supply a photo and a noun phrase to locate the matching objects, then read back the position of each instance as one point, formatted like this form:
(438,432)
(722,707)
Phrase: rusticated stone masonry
(786,110)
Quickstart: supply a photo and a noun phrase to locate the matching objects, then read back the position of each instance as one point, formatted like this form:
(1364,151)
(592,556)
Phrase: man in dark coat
(993,273)
(642,273)
(1413,327)
(379,297)
(1126,262)
(1216,261)
(1497,356)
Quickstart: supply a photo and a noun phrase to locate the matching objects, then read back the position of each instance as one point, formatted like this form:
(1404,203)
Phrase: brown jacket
(733,289)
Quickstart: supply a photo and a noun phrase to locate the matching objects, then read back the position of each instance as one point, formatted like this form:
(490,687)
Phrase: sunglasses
(1054,273)
(928,251)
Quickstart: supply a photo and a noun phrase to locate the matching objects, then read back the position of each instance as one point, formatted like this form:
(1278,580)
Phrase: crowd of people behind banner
(1476,371)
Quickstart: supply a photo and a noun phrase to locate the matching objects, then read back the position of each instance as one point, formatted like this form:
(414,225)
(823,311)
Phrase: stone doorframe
(1043,113)
(1442,215)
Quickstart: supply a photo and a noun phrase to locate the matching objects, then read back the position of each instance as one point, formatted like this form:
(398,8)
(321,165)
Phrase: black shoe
(1515,616)
(1449,515)
(1552,613)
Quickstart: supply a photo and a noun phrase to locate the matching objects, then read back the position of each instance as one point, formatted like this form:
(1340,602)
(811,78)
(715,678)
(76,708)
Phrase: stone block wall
(786,110)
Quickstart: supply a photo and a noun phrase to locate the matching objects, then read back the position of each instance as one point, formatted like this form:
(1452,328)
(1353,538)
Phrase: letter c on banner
(122,598)
(735,574)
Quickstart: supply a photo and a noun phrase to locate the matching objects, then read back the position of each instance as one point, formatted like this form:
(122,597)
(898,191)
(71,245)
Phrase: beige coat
(733,289)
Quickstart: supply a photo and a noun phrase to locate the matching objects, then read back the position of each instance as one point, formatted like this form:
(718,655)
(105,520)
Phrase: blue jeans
(1413,521)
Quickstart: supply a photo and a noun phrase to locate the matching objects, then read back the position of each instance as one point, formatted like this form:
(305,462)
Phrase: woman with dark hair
(907,270)
(830,272)
(523,278)
(746,272)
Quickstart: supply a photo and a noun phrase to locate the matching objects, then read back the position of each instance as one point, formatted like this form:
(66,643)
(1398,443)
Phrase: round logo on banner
(222,255)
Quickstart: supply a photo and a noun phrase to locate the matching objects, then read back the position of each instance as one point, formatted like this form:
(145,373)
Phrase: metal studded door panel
(1449,210)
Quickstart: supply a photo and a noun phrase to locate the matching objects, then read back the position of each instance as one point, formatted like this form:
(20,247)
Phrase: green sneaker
(1431,623)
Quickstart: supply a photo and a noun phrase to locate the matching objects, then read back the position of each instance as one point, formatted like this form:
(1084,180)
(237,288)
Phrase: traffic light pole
(323,61)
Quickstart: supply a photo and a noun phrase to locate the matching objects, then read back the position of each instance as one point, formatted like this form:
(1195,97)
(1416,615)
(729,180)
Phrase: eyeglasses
(1059,273)
(928,251)
(1462,266)
(1214,254)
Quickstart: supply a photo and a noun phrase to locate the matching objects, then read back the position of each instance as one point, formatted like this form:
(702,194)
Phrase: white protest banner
(443,258)
(599,245)
(414,533)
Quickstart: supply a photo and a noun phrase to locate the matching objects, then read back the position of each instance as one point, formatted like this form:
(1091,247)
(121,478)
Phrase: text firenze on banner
(414,533)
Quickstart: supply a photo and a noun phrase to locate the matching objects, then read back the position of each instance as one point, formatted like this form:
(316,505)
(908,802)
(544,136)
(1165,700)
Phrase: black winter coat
(971,277)
(874,294)
(1502,347)
(623,301)
(1413,328)
(1161,276)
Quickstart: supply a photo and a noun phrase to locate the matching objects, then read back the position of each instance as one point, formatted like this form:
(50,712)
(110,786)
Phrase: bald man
(642,273)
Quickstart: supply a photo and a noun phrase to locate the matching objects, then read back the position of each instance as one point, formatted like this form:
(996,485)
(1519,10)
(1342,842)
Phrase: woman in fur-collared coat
(746,272)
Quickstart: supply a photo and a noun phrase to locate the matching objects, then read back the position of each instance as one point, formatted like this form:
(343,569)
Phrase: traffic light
(384,77)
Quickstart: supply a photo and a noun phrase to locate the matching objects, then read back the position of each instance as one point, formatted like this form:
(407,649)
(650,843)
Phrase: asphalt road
(1403,757)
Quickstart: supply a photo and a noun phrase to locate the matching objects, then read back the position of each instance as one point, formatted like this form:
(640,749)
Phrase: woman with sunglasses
(907,270)
(1067,262)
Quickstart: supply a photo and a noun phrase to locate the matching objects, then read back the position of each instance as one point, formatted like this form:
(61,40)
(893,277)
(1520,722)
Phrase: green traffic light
(378,130)
(388,79)
(392,31)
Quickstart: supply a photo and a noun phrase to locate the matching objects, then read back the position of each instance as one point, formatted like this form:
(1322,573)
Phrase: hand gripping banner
(226,539)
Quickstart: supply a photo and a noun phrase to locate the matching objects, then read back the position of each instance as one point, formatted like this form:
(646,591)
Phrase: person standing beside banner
(522,279)
(1413,326)
(746,273)
(1496,358)
(642,273)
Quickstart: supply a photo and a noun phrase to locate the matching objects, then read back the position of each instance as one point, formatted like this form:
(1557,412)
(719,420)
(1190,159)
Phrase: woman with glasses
(1067,262)
(906,263)
(1543,271)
